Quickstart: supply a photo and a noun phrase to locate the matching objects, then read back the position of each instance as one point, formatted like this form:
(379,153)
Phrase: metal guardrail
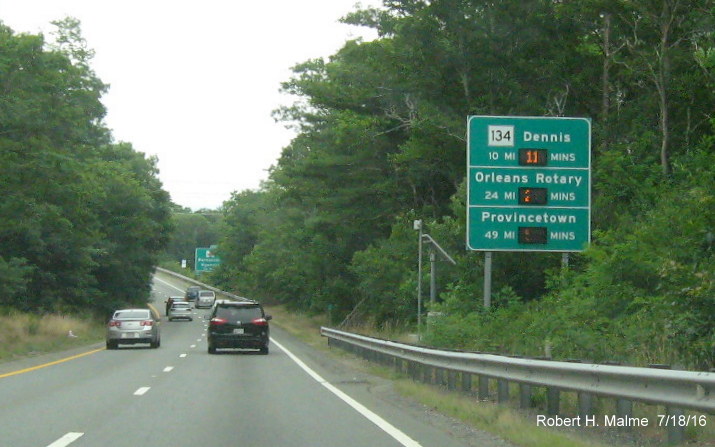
(199,283)
(676,390)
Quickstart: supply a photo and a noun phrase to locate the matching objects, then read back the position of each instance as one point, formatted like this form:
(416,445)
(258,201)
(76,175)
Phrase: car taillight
(218,321)
(147,323)
(114,323)
(260,322)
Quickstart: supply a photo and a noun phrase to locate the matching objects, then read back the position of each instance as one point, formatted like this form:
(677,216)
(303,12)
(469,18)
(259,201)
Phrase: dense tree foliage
(382,142)
(83,217)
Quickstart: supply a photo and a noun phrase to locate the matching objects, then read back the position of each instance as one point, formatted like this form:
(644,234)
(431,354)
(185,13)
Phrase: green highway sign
(497,228)
(492,187)
(529,183)
(205,259)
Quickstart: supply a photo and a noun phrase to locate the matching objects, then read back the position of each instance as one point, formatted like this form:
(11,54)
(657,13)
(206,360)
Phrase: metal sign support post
(433,277)
(434,249)
(418,226)
(487,279)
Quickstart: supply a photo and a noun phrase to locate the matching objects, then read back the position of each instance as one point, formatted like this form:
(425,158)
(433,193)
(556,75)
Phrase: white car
(131,326)
(180,309)
(206,298)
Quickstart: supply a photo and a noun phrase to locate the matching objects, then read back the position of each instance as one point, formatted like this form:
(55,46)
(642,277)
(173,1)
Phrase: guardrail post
(419,371)
(427,374)
(451,380)
(439,377)
(483,388)
(585,405)
(524,396)
(502,391)
(624,409)
(553,401)
(676,431)
(466,382)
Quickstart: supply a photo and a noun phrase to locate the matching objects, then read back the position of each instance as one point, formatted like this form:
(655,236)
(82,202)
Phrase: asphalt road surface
(179,395)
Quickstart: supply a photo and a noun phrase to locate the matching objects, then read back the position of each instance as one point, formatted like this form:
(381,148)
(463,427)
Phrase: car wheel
(212,350)
(264,350)
(111,345)
(154,344)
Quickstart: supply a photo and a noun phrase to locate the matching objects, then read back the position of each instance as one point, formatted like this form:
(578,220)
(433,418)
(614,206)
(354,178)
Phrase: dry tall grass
(25,334)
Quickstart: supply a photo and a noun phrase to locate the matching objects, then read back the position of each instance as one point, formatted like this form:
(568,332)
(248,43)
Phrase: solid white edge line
(166,283)
(67,439)
(141,391)
(388,428)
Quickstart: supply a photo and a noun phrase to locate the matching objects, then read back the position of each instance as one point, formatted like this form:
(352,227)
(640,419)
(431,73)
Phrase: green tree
(83,218)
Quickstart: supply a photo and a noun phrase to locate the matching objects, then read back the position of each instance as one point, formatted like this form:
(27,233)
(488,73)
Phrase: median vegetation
(25,334)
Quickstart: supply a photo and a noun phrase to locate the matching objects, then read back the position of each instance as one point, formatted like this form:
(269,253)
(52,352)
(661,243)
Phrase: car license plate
(238,331)
(130,334)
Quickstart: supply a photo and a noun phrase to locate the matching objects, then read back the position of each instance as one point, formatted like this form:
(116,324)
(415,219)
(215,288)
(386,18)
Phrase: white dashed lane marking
(141,391)
(67,439)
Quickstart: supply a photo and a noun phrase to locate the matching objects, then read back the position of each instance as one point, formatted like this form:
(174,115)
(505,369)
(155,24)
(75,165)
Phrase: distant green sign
(529,186)
(205,259)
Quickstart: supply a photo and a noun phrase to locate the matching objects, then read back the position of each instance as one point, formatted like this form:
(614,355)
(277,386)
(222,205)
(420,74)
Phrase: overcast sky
(194,82)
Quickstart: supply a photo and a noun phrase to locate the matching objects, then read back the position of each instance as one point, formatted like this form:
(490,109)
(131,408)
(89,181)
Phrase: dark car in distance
(170,301)
(192,293)
(238,324)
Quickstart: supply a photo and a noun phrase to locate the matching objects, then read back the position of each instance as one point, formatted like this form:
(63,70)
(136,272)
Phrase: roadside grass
(496,419)
(304,327)
(26,334)
(502,421)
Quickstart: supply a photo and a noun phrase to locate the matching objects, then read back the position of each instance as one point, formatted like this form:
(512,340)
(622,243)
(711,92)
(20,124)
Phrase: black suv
(238,324)
(192,293)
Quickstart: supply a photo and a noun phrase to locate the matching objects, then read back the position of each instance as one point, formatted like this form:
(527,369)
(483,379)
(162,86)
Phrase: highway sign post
(529,186)
(205,259)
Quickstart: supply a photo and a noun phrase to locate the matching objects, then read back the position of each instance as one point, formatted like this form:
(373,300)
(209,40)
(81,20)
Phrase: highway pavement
(179,395)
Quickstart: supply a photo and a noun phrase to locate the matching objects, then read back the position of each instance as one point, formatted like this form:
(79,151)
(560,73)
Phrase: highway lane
(179,395)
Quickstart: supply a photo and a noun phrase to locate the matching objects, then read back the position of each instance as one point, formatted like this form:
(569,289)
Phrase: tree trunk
(662,83)
(605,81)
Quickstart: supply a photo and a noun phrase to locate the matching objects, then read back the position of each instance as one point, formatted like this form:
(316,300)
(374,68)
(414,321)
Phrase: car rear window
(206,293)
(180,305)
(236,313)
(132,314)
